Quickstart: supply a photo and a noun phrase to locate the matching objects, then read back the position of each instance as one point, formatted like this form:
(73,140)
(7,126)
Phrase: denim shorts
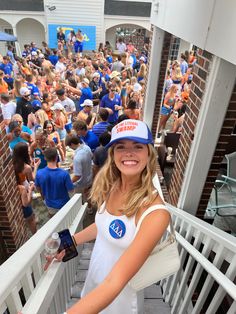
(27,211)
(68,127)
(62,134)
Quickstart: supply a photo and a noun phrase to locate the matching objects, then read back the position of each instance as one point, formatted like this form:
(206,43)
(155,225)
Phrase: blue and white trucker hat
(130,129)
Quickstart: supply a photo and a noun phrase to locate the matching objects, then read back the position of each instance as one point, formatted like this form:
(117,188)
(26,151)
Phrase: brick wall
(160,87)
(12,225)
(200,73)
(220,151)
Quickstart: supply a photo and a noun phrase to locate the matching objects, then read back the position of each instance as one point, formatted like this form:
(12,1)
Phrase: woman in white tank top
(123,190)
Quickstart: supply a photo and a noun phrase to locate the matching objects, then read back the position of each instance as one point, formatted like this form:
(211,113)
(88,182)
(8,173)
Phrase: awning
(7,37)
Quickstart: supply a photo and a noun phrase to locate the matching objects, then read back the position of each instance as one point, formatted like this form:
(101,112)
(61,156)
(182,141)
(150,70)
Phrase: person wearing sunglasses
(112,102)
(24,106)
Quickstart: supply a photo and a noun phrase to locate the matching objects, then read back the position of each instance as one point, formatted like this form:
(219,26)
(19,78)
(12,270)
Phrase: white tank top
(115,234)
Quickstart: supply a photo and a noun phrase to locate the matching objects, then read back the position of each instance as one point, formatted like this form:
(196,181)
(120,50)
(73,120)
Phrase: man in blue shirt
(112,102)
(183,64)
(54,57)
(87,136)
(85,92)
(7,68)
(101,126)
(53,183)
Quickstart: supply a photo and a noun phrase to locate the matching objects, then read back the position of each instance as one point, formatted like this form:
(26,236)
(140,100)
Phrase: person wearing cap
(86,113)
(142,70)
(112,102)
(86,92)
(94,86)
(23,105)
(123,191)
(60,120)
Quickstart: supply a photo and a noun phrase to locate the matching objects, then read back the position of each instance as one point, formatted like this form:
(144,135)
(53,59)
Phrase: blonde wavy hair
(109,177)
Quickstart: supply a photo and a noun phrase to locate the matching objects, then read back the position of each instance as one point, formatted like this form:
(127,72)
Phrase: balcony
(204,283)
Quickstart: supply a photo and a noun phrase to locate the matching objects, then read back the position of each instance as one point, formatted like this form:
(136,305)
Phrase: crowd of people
(177,89)
(90,104)
(52,100)
(59,100)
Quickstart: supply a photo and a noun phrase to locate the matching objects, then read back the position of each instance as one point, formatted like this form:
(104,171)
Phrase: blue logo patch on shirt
(117,229)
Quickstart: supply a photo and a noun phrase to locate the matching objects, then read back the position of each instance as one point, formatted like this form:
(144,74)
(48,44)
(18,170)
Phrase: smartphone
(67,244)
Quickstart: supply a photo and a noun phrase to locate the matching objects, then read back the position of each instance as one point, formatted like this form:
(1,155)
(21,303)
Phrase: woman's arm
(150,232)
(26,195)
(88,234)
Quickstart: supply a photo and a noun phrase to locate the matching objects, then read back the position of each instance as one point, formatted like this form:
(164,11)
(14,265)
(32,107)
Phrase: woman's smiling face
(130,157)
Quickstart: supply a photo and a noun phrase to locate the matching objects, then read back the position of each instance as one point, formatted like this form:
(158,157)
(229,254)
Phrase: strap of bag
(150,210)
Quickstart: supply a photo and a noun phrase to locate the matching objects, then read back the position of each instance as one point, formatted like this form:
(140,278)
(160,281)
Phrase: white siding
(208,24)
(78,12)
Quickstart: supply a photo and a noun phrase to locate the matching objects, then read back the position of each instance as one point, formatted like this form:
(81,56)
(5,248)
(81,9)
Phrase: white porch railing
(204,283)
(206,279)
(22,278)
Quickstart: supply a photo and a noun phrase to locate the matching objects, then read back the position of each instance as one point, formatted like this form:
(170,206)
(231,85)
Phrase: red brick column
(12,226)
(200,73)
(220,151)
(161,82)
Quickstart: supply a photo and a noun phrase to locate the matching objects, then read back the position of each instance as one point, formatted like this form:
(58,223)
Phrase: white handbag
(163,262)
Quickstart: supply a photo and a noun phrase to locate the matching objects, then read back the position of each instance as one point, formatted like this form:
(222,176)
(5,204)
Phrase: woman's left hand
(49,258)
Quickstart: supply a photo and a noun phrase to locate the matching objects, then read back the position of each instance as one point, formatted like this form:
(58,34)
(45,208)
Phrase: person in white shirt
(8,108)
(121,46)
(69,107)
(60,66)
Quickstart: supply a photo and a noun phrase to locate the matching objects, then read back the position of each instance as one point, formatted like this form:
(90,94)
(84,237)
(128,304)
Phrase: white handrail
(39,300)
(222,280)
(203,247)
(28,257)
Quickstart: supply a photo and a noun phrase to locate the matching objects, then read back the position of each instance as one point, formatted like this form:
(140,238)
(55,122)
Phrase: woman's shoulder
(157,208)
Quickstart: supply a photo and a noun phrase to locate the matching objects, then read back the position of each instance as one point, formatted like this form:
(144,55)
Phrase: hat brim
(131,138)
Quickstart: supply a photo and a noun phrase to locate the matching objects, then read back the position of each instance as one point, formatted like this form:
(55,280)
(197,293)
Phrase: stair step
(153,292)
(81,275)
(83,264)
(156,306)
(86,253)
(153,300)
(76,290)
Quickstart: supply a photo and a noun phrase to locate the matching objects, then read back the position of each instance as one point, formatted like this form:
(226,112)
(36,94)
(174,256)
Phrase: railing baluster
(3,308)
(195,279)
(27,284)
(183,285)
(13,301)
(209,281)
(232,308)
(183,254)
(220,293)
(37,269)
